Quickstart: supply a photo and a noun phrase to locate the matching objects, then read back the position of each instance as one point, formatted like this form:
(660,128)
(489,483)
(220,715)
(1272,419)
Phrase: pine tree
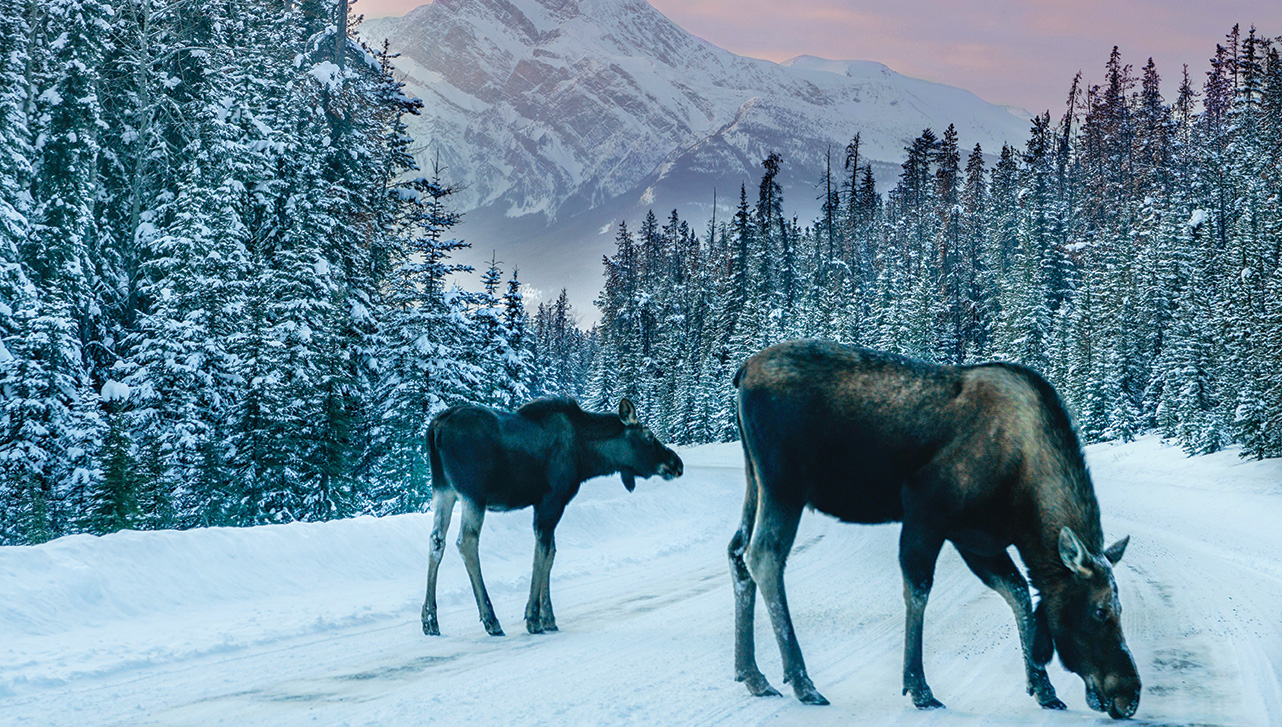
(54,408)
(113,504)
(423,374)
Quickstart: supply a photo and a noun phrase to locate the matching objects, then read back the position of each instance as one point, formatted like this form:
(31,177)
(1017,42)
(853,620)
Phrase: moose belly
(515,493)
(512,500)
(979,542)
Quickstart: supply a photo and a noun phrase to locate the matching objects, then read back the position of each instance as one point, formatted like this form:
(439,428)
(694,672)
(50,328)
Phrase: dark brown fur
(536,457)
(981,456)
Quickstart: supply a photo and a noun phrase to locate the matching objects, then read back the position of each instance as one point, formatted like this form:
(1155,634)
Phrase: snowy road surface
(319,624)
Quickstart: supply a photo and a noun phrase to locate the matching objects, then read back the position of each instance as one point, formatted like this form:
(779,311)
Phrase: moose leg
(918,551)
(999,573)
(538,610)
(468,542)
(547,619)
(745,599)
(772,537)
(442,508)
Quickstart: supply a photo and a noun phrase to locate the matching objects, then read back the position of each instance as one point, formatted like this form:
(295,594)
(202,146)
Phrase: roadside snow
(318,623)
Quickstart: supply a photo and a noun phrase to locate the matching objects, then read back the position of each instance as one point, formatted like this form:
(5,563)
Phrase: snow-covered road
(318,624)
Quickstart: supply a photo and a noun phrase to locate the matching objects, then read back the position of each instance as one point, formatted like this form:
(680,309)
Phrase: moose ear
(1072,552)
(1115,551)
(628,412)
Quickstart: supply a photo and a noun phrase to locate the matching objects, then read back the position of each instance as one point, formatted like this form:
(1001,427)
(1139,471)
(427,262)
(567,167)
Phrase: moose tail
(434,454)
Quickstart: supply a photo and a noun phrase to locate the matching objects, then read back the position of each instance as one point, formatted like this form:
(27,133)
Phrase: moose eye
(1101,613)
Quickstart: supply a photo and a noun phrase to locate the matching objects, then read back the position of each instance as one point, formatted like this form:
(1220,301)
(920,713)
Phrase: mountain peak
(564,116)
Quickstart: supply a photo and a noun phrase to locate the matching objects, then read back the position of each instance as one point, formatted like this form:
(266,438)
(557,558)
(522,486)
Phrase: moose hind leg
(468,544)
(773,534)
(442,508)
(745,600)
(1000,574)
(918,551)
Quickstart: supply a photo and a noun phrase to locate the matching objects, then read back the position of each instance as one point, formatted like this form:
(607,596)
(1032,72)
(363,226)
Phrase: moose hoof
(758,686)
(927,703)
(549,627)
(813,697)
(1040,687)
(923,698)
(1052,703)
(533,627)
(431,629)
(807,693)
(493,628)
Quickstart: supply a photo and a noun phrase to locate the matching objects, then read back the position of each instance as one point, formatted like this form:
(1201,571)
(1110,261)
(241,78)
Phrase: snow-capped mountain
(568,115)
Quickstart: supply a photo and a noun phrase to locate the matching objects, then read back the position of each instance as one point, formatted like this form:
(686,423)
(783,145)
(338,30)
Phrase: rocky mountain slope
(563,116)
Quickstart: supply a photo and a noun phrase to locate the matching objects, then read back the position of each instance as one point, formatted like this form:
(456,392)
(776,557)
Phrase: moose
(538,456)
(982,456)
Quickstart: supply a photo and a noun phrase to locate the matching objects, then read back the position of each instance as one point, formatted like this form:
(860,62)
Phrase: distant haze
(1016,52)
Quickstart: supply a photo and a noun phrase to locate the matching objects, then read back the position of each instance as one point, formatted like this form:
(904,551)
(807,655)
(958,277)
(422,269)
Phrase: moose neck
(598,459)
(1072,504)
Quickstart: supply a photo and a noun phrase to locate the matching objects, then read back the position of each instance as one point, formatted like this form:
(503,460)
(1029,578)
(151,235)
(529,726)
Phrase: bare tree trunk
(340,37)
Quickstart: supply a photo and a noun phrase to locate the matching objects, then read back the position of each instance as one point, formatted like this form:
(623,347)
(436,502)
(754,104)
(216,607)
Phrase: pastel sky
(1018,52)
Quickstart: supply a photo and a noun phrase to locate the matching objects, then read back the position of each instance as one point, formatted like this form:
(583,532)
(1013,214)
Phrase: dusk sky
(1018,52)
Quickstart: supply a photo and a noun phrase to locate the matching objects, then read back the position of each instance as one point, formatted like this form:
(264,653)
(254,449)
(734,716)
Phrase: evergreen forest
(1129,252)
(227,297)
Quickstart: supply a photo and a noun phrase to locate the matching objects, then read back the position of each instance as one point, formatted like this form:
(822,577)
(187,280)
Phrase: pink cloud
(1018,52)
(387,8)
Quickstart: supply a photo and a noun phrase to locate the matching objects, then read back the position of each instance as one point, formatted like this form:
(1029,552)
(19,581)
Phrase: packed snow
(319,623)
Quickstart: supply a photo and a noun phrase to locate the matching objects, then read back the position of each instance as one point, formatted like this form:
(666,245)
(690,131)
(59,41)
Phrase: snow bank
(84,604)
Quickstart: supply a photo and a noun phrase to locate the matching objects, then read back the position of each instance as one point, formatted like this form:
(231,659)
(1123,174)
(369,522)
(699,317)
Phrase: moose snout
(672,468)
(1123,696)
(1123,707)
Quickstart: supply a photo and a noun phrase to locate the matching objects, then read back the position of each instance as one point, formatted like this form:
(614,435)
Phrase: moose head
(638,453)
(1084,615)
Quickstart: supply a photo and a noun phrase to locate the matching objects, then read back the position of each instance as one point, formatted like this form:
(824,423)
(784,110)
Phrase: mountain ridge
(551,110)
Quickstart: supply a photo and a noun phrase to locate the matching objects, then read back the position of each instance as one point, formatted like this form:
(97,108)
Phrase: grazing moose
(538,456)
(981,456)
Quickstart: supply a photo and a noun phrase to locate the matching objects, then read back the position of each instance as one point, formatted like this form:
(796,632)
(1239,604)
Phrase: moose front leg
(538,610)
(918,551)
(547,618)
(1000,574)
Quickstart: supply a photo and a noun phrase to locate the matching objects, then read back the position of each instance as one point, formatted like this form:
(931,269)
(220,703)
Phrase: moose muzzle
(672,468)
